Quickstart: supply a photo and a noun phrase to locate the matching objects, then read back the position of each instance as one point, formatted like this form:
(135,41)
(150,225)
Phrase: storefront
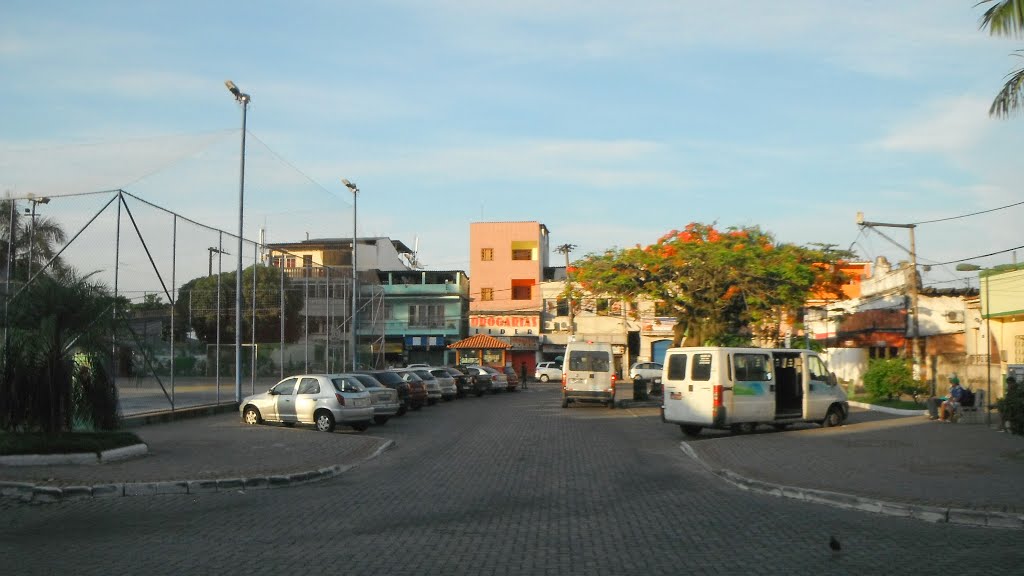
(483,350)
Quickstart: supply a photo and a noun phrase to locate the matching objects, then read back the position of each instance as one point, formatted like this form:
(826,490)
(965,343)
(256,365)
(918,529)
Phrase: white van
(588,373)
(739,388)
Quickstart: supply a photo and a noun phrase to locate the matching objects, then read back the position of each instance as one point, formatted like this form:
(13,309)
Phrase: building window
(426,316)
(562,308)
(520,292)
(289,262)
(487,254)
(487,294)
(522,254)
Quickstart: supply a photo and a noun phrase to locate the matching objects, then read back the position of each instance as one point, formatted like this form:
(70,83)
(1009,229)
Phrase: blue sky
(610,122)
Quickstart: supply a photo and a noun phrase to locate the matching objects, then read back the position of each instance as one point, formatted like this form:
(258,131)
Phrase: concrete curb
(934,514)
(76,459)
(33,493)
(885,410)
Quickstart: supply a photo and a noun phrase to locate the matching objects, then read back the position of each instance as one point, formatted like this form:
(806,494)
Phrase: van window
(751,367)
(818,370)
(677,367)
(701,367)
(588,361)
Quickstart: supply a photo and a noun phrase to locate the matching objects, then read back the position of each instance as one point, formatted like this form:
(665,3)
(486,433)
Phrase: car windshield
(389,378)
(367,380)
(411,377)
(424,374)
(347,384)
(489,370)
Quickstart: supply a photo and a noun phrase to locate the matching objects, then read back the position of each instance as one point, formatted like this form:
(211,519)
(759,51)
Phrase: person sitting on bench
(949,407)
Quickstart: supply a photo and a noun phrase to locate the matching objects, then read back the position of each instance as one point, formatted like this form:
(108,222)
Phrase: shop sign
(504,325)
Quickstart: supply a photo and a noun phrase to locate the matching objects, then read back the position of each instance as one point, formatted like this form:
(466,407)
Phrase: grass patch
(900,404)
(13,443)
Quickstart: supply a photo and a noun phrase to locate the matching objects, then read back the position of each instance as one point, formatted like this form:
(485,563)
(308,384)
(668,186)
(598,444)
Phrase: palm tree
(1006,18)
(41,241)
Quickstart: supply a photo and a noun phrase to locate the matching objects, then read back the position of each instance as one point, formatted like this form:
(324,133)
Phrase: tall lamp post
(355,195)
(988,336)
(32,228)
(244,100)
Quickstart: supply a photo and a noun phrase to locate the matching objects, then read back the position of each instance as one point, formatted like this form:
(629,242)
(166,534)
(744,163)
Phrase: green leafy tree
(42,241)
(59,330)
(724,287)
(1006,18)
(197,299)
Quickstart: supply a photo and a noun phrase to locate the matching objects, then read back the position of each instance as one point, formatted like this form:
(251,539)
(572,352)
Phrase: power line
(966,215)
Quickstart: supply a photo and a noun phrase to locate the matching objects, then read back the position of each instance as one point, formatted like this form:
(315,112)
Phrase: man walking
(522,375)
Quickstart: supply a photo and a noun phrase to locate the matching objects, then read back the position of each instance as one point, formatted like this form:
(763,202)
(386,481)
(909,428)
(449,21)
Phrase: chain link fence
(174,345)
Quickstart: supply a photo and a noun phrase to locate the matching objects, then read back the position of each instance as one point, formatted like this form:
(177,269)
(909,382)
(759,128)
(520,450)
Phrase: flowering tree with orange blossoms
(723,286)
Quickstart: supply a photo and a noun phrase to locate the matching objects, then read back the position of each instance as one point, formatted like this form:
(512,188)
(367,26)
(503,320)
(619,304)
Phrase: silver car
(324,400)
(449,390)
(385,400)
(429,382)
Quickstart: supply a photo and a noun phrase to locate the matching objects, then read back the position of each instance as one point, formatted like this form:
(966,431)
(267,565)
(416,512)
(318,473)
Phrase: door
(753,389)
(306,398)
(269,409)
(818,395)
(286,400)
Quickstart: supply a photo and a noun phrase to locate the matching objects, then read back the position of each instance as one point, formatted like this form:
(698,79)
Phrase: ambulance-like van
(738,389)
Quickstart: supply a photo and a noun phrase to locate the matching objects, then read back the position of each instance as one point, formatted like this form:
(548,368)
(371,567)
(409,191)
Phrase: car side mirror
(272,392)
(832,380)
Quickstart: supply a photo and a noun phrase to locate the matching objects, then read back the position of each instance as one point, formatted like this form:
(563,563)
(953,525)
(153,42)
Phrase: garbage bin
(639,389)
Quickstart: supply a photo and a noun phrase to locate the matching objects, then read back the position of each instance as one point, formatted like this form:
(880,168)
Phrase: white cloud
(949,126)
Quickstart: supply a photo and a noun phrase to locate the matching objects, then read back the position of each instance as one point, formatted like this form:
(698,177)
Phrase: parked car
(385,400)
(418,365)
(484,373)
(413,394)
(547,371)
(481,379)
(449,390)
(323,400)
(512,378)
(463,381)
(645,371)
(426,378)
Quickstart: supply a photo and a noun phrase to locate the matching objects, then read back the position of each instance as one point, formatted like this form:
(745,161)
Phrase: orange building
(506,267)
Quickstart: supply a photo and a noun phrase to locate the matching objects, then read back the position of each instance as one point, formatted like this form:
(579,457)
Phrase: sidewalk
(208,454)
(903,466)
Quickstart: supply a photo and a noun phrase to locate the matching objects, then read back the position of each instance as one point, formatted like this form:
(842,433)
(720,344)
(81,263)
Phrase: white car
(645,371)
(547,371)
(323,400)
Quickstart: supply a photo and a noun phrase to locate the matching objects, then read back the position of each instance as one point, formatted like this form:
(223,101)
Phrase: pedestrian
(522,375)
(953,401)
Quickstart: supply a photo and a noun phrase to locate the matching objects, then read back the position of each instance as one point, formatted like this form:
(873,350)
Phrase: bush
(1011,408)
(887,378)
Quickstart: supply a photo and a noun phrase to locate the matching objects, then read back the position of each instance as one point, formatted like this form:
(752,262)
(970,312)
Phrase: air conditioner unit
(955,316)
(549,326)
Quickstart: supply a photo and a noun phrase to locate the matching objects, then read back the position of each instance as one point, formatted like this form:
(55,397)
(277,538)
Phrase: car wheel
(380,419)
(417,406)
(360,427)
(691,431)
(251,416)
(832,418)
(479,393)
(565,402)
(324,421)
(402,410)
(611,404)
(543,377)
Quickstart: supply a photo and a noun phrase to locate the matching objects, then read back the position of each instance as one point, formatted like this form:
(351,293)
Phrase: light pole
(244,100)
(913,281)
(355,195)
(988,335)
(32,228)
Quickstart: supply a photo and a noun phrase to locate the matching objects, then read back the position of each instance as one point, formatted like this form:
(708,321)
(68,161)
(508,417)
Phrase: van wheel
(543,377)
(691,431)
(832,418)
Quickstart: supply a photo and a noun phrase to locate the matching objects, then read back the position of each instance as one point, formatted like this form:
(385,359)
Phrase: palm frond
(1003,18)
(1011,98)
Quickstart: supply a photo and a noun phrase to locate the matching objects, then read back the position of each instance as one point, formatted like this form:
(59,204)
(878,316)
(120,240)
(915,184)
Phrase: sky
(609,122)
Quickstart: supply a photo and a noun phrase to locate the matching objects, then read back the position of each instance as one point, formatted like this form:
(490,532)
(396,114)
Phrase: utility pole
(565,249)
(912,289)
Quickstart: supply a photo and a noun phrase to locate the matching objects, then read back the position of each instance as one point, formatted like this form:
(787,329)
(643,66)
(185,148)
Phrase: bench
(973,413)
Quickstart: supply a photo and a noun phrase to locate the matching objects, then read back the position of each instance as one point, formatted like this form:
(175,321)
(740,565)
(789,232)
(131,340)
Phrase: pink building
(506,267)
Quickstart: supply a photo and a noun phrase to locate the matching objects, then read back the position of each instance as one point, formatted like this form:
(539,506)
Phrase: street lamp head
(967,267)
(350,185)
(239,95)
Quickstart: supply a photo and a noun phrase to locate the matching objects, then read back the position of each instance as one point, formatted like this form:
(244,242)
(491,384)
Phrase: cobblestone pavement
(509,484)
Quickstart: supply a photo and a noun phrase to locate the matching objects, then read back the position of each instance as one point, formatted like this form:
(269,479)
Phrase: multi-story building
(506,266)
(423,313)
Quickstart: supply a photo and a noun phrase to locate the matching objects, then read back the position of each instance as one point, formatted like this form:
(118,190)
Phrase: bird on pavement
(834,544)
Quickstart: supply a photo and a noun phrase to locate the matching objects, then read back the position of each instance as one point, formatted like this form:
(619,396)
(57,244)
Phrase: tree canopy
(723,286)
(1006,18)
